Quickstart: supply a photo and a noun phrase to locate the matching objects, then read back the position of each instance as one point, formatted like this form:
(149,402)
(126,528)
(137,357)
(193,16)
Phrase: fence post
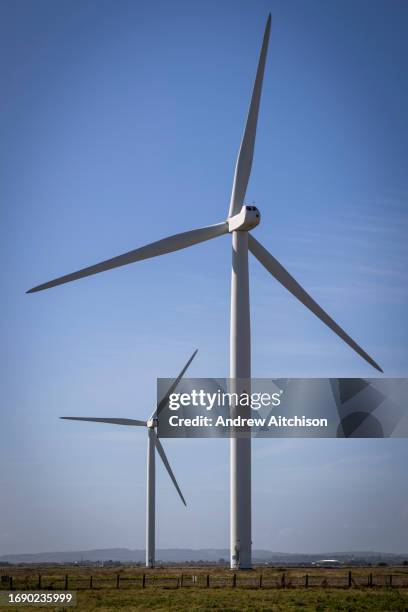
(260,581)
(234,581)
(144,581)
(349,579)
(11,583)
(307,580)
(208,580)
(39,581)
(370,583)
(66,582)
(91,583)
(117,580)
(283,580)
(181,580)
(390,580)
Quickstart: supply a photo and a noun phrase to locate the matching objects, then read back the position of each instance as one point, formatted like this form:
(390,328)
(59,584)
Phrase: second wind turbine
(153,445)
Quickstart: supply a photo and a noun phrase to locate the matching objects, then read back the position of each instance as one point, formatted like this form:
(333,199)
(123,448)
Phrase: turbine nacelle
(247,218)
(151,423)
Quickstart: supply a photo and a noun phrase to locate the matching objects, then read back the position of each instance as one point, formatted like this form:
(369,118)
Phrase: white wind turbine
(153,444)
(241,219)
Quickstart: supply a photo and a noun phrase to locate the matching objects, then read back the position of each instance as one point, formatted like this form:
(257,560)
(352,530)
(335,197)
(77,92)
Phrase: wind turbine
(241,219)
(153,444)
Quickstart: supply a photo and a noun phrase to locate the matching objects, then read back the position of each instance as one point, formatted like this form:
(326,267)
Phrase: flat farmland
(215,588)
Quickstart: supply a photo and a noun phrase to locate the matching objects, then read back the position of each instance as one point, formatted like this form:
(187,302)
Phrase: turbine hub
(151,423)
(247,218)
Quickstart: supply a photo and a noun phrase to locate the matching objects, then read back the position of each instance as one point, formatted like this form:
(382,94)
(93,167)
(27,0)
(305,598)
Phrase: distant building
(327,563)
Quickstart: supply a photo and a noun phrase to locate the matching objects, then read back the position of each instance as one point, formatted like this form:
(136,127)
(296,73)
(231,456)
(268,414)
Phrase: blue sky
(120,124)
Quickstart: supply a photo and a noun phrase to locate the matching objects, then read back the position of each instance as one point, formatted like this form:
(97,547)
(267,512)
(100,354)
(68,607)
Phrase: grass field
(165,589)
(241,599)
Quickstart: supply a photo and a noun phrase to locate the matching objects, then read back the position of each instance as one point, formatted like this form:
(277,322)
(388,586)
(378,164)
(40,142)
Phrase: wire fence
(278,580)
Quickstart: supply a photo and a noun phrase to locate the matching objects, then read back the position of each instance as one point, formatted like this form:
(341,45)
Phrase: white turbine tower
(153,444)
(241,219)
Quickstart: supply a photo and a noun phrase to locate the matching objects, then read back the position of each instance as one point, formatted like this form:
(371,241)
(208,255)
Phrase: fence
(282,580)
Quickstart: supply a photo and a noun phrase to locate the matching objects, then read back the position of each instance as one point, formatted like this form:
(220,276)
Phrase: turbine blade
(133,422)
(246,151)
(278,271)
(163,457)
(166,245)
(165,399)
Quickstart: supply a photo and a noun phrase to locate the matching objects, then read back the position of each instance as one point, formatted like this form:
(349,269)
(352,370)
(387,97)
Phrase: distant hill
(205,555)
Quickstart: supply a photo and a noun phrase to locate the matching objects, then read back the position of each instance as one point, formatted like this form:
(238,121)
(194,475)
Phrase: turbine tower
(153,444)
(241,219)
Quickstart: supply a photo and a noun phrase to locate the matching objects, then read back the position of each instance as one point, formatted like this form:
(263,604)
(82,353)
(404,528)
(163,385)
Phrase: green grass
(162,592)
(316,600)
